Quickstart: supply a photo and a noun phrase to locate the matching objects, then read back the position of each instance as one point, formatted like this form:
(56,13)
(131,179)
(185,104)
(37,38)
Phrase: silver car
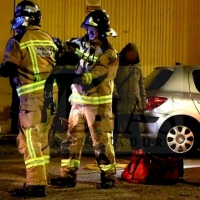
(172,114)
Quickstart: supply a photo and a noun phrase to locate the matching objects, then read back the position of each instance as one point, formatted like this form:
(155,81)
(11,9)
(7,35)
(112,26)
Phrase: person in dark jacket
(132,96)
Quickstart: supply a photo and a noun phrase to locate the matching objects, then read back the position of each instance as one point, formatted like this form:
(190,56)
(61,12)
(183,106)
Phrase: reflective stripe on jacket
(92,100)
(98,66)
(41,48)
(30,88)
(33,53)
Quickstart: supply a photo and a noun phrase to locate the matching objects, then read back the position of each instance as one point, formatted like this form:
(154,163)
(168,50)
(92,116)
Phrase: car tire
(179,135)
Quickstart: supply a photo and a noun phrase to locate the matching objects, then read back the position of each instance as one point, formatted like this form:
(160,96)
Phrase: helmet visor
(17,22)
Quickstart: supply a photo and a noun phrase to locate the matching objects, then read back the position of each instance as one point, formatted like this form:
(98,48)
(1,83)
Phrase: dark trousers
(128,126)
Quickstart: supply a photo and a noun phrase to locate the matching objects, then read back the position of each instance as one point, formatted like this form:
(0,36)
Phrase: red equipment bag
(153,169)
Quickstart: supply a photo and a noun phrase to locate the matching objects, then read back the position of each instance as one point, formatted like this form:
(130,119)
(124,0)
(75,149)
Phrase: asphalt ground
(12,173)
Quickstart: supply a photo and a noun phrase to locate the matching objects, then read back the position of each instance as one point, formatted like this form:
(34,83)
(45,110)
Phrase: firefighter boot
(107,181)
(68,182)
(29,191)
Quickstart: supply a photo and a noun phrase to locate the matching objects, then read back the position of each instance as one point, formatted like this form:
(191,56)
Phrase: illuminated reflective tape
(34,162)
(30,143)
(70,163)
(30,45)
(46,159)
(88,77)
(108,167)
(77,98)
(38,42)
(32,87)
(86,56)
(34,63)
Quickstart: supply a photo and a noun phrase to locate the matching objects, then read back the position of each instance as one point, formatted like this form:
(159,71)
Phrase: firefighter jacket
(29,61)
(97,66)
(129,83)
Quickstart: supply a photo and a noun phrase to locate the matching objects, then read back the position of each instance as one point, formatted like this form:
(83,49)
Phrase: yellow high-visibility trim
(34,63)
(46,159)
(88,78)
(77,98)
(110,167)
(30,45)
(34,162)
(86,56)
(32,87)
(70,163)
(38,42)
(30,143)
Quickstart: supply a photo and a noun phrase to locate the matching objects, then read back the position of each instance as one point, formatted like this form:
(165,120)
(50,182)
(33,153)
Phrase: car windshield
(157,78)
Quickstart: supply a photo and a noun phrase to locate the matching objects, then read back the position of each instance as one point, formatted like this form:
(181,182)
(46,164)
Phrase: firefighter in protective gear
(91,101)
(29,59)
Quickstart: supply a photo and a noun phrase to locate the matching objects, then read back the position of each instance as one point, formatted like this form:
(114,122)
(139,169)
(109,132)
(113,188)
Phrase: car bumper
(149,126)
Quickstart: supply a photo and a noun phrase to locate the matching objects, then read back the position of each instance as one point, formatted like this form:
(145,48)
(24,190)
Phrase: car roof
(154,81)
(177,66)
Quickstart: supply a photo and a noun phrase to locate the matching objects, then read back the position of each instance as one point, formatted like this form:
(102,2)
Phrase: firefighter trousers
(98,120)
(33,139)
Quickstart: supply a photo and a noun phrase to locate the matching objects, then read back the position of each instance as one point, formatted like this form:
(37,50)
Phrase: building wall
(6,14)
(165,31)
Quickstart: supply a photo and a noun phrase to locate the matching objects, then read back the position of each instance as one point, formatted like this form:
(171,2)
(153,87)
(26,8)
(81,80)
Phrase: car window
(157,78)
(196,78)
